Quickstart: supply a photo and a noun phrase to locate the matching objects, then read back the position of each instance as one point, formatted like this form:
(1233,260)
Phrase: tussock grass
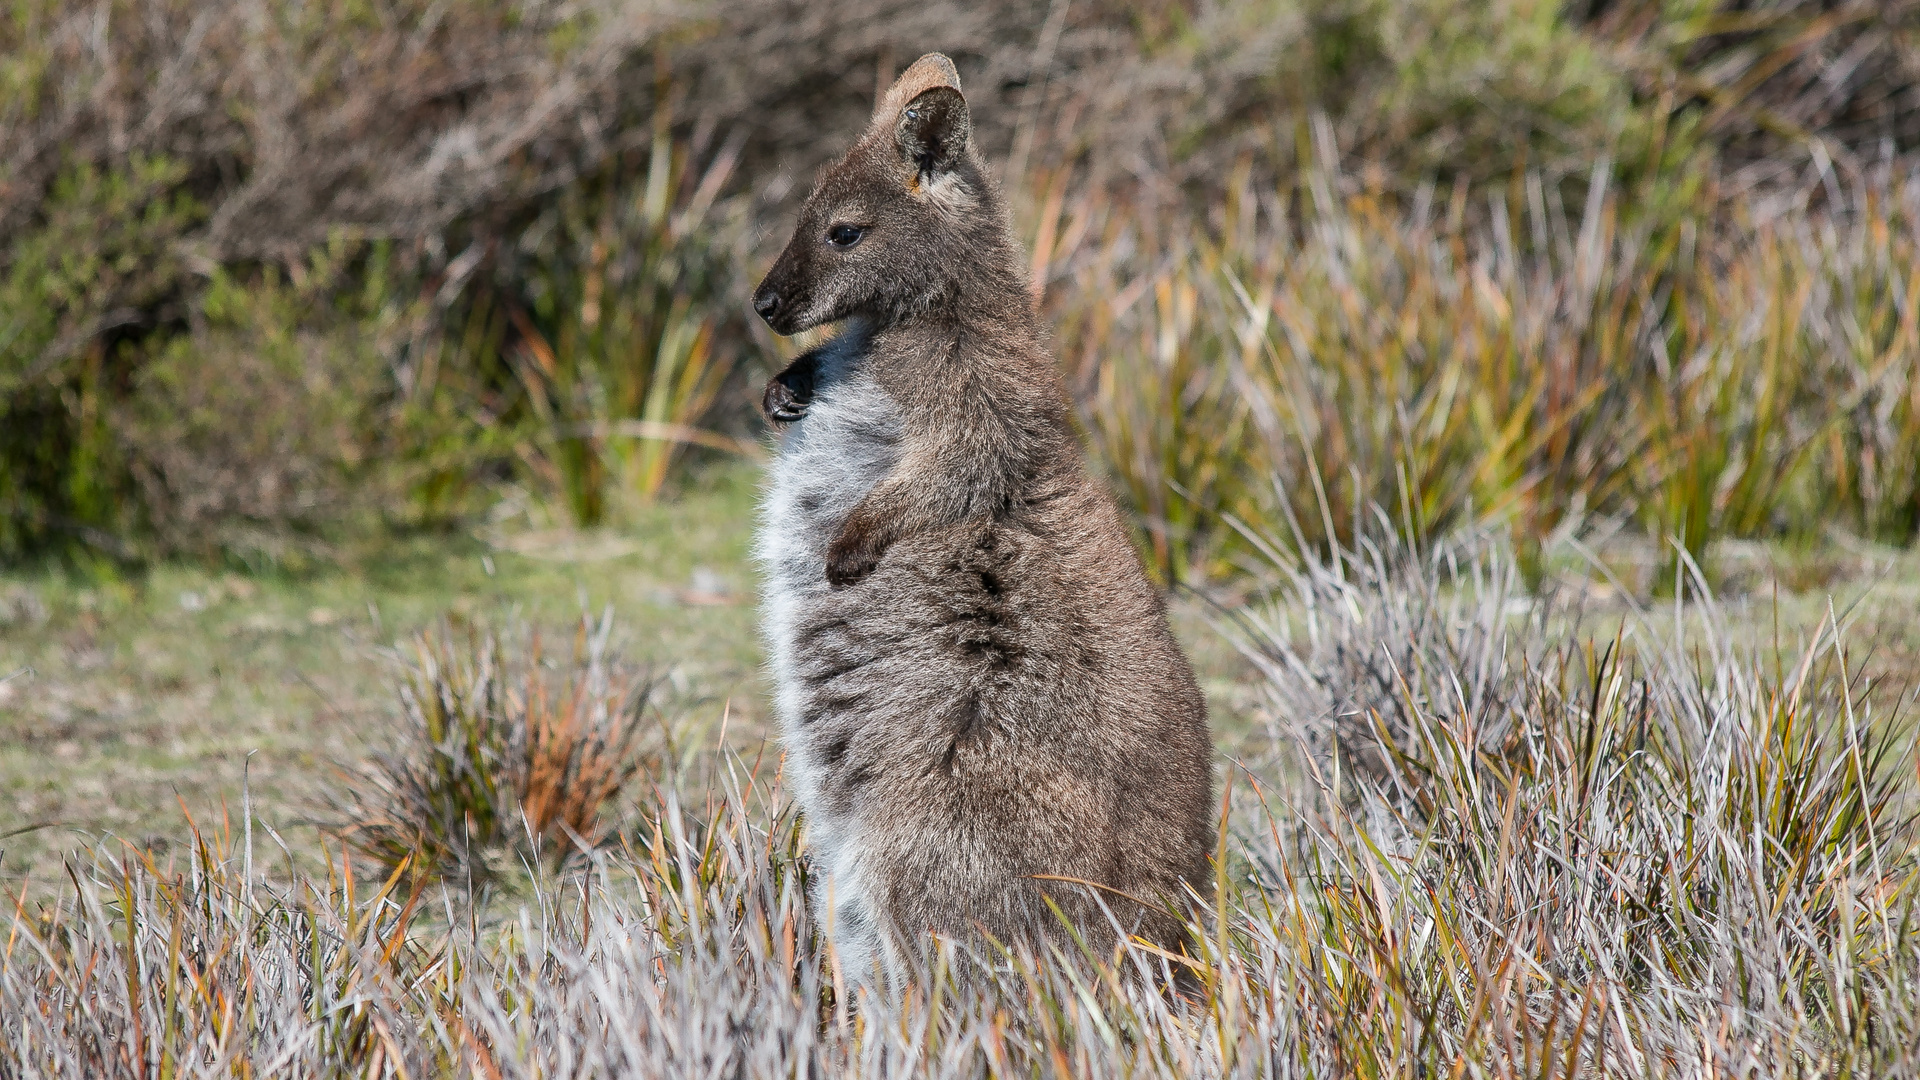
(1478,844)
(1698,861)
(501,749)
(1324,347)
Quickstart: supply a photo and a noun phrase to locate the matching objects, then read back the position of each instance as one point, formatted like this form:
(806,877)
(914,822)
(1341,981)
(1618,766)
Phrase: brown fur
(976,680)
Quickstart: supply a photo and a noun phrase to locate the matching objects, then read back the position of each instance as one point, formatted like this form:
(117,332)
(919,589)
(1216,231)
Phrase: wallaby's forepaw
(854,553)
(781,404)
(790,392)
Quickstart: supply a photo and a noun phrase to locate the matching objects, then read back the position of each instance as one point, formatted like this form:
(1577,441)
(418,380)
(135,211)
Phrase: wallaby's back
(975,681)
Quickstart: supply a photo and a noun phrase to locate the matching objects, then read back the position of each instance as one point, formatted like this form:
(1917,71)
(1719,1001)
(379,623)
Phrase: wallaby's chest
(827,462)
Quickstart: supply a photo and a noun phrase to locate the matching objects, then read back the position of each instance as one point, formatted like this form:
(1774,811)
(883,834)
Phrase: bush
(102,256)
(157,148)
(257,435)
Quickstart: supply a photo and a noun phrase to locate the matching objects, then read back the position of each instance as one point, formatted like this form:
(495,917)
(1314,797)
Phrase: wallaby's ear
(925,73)
(932,131)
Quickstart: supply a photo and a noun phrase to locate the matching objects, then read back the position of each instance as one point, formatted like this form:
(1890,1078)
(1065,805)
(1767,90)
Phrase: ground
(133,698)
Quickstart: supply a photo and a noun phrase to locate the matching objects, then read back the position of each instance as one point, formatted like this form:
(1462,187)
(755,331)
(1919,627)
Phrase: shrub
(157,145)
(101,255)
(259,432)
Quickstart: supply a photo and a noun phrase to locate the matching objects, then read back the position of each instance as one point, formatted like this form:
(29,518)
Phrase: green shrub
(163,154)
(279,422)
(76,286)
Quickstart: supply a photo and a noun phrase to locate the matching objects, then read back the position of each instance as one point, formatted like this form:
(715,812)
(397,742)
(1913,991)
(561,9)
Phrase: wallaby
(975,681)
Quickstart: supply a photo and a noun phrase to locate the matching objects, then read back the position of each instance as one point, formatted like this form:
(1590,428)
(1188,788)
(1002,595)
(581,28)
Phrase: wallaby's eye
(845,236)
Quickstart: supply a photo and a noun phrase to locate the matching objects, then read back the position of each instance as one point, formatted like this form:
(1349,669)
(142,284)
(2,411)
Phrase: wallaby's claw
(848,568)
(790,392)
(781,404)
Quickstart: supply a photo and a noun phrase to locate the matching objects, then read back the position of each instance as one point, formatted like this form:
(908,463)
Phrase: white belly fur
(827,462)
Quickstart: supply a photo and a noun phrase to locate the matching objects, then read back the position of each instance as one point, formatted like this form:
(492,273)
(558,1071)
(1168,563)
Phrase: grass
(1551,361)
(501,741)
(140,694)
(1480,839)
(144,689)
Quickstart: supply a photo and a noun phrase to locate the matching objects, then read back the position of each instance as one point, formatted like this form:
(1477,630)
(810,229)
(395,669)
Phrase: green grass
(141,690)
(137,695)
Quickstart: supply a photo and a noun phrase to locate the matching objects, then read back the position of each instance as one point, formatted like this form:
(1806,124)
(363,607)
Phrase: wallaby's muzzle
(776,299)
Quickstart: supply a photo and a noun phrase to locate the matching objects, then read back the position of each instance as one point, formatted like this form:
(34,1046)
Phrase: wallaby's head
(908,219)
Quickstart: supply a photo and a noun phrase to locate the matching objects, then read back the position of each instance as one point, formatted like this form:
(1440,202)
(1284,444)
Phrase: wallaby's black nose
(766,304)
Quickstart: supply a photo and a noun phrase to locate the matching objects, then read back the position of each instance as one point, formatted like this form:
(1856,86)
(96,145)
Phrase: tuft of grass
(500,751)
(1478,842)
(1326,347)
